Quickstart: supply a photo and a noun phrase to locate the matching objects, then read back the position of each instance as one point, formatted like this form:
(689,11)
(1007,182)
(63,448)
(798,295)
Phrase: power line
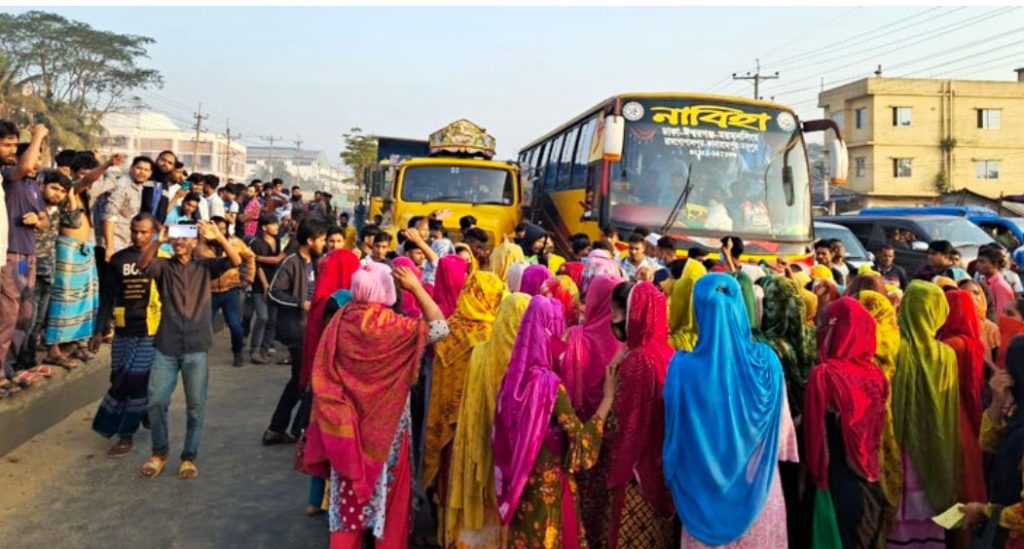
(927,36)
(757,77)
(271,139)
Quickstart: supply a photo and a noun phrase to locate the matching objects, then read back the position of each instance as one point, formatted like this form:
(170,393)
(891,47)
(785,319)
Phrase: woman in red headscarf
(844,412)
(334,273)
(360,430)
(962,333)
(642,510)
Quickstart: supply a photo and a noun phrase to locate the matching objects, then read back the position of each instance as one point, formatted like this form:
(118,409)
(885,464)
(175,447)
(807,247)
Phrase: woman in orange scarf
(961,333)
(470,326)
(360,430)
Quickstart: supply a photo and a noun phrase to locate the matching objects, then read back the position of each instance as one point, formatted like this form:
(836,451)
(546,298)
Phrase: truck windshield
(457,184)
(723,164)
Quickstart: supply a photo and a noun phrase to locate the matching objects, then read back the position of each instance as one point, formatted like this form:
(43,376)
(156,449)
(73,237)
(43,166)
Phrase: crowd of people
(626,394)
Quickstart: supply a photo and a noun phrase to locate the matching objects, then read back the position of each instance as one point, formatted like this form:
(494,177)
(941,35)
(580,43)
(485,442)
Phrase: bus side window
(579,166)
(551,172)
(542,168)
(565,164)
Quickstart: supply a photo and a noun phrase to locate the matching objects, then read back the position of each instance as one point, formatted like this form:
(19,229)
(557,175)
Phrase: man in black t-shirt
(131,301)
(268,256)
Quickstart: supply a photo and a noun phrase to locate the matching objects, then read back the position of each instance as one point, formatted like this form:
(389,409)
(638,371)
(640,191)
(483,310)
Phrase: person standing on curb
(132,302)
(183,339)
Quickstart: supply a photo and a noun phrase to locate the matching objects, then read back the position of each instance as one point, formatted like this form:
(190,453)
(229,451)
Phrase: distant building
(911,139)
(302,167)
(146,133)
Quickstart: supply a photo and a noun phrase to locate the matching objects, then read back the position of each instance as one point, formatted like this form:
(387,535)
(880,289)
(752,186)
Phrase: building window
(860,118)
(860,166)
(840,119)
(901,116)
(902,167)
(986,169)
(989,119)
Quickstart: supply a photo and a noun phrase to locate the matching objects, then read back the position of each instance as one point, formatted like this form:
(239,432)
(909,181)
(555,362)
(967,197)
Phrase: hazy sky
(519,72)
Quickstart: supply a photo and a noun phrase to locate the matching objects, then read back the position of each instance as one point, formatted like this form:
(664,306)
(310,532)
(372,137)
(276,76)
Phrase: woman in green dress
(539,442)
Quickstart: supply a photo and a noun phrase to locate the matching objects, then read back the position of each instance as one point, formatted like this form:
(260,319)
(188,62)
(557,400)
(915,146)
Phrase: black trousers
(290,331)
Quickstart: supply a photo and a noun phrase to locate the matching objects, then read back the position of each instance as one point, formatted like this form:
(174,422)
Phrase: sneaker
(257,358)
(239,361)
(271,438)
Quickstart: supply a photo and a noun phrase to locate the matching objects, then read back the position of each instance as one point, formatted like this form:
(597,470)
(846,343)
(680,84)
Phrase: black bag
(989,535)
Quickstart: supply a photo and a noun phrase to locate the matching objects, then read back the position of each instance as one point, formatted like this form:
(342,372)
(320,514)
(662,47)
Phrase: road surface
(60,489)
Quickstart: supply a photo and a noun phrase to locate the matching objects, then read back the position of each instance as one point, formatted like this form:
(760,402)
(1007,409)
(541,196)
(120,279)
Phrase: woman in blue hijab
(727,424)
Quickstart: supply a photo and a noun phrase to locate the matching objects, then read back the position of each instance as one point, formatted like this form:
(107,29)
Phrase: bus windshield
(458,184)
(712,168)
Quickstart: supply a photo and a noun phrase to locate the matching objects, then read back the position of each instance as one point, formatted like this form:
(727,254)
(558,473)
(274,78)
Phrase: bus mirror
(787,185)
(839,161)
(614,134)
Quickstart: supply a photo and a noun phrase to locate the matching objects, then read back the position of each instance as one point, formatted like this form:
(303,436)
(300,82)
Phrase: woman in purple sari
(539,442)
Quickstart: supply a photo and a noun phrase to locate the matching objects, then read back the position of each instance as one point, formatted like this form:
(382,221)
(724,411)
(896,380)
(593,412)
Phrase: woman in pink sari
(590,348)
(538,440)
(360,430)
(410,307)
(452,271)
(534,278)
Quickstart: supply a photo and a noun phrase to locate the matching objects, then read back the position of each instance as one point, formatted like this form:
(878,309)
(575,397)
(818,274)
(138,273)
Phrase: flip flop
(26,379)
(153,467)
(62,362)
(188,470)
(42,370)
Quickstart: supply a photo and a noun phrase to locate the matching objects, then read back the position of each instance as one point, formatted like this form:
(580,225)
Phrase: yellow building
(909,139)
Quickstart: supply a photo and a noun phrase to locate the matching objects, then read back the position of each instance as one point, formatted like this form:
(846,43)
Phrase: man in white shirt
(212,204)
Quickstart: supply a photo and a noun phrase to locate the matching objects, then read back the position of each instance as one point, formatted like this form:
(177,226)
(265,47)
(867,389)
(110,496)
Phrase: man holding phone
(183,338)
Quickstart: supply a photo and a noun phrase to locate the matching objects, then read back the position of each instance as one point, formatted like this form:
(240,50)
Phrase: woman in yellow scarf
(471,515)
(503,256)
(888,345)
(681,320)
(469,326)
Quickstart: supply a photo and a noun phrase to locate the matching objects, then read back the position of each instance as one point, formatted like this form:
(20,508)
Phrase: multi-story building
(303,167)
(910,140)
(146,133)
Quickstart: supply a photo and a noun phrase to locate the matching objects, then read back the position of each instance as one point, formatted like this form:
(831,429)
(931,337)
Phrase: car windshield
(854,249)
(457,184)
(712,169)
(957,230)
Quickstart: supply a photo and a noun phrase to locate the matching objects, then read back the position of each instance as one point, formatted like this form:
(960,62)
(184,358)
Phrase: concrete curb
(32,411)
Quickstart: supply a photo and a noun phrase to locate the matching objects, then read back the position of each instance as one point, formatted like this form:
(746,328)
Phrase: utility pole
(199,116)
(271,139)
(757,77)
(228,153)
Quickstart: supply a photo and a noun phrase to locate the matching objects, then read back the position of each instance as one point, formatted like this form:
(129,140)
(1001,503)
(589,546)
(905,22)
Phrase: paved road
(60,489)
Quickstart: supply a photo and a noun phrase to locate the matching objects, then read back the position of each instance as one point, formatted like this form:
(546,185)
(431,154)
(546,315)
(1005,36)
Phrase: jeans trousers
(230,302)
(264,323)
(163,378)
(291,330)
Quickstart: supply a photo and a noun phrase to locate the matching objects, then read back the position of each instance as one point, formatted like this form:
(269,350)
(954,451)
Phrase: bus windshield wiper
(445,199)
(680,201)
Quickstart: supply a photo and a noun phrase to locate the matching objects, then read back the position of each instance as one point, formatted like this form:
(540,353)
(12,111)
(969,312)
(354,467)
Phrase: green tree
(68,75)
(360,153)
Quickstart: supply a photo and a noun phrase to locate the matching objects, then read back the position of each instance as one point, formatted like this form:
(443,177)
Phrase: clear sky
(519,72)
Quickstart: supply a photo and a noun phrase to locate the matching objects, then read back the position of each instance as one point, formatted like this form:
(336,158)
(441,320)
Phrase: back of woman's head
(372,283)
